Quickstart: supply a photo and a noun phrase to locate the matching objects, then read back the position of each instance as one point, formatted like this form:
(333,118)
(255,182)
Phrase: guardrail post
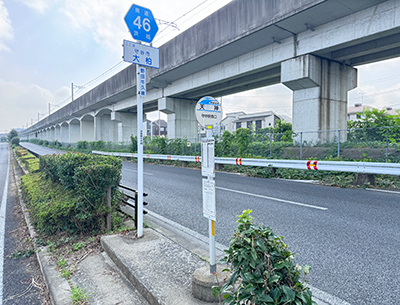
(301,145)
(387,144)
(270,145)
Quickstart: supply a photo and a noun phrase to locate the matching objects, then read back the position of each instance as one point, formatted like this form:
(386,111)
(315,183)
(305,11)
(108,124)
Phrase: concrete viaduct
(311,46)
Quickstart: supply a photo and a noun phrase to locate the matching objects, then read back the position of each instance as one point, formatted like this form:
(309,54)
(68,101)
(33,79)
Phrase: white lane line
(272,198)
(135,171)
(384,191)
(2,230)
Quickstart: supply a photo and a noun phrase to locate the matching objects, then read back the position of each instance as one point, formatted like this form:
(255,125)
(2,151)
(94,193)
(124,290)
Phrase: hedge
(70,192)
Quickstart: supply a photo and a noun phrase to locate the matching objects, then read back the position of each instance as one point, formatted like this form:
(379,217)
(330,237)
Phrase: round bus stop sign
(208,111)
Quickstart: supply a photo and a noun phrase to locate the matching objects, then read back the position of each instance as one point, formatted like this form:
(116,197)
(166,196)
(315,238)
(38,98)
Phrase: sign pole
(139,204)
(209,114)
(211,223)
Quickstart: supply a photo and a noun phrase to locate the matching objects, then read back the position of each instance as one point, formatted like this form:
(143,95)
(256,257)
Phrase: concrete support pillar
(52,134)
(64,133)
(57,133)
(87,129)
(320,89)
(74,131)
(182,122)
(126,125)
(105,129)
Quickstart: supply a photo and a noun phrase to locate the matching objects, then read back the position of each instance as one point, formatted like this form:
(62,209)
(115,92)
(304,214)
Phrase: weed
(65,273)
(61,262)
(22,253)
(78,246)
(79,295)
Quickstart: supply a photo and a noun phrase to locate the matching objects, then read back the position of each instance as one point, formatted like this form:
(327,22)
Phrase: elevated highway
(311,46)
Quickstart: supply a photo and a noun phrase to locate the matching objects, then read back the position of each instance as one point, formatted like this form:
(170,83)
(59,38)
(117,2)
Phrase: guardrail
(336,166)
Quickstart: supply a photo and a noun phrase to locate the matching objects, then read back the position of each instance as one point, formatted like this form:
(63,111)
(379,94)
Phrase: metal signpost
(209,115)
(143,27)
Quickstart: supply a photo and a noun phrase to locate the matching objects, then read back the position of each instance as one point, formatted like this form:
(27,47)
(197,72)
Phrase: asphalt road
(350,237)
(18,277)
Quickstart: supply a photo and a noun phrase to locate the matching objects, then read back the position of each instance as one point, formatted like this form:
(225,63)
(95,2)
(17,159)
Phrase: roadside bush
(97,145)
(82,145)
(92,183)
(15,141)
(88,177)
(30,162)
(262,268)
(52,207)
(20,151)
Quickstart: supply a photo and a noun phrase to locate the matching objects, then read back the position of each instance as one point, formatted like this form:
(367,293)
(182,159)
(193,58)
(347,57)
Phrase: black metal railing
(134,198)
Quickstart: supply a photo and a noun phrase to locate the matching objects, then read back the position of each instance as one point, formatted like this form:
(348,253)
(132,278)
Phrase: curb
(57,286)
(135,281)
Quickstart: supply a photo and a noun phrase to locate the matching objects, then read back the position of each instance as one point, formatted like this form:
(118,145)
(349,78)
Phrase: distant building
(236,120)
(147,127)
(356,112)
(391,111)
(159,127)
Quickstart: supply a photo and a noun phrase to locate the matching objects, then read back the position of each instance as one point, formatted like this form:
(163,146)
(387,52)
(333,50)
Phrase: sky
(45,45)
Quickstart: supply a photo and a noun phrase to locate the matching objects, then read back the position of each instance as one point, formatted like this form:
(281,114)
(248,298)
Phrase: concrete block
(301,72)
(362,179)
(203,281)
(166,105)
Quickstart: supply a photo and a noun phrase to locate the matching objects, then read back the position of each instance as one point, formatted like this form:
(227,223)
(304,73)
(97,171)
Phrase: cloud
(6,31)
(40,6)
(22,103)
(104,18)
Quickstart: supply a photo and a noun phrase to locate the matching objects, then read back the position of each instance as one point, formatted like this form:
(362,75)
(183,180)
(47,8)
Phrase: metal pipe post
(139,203)
(211,225)
(301,145)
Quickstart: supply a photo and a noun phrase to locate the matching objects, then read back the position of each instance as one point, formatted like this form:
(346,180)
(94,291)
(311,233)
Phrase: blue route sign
(141,23)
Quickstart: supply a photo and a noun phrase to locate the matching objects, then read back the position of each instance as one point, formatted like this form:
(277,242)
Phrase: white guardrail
(337,166)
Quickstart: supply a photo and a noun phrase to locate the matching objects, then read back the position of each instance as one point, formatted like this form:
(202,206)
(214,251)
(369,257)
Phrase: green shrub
(97,145)
(86,178)
(89,177)
(82,145)
(262,268)
(52,207)
(92,182)
(14,141)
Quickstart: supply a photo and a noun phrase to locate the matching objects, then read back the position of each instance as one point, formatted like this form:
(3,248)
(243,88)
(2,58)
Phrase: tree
(243,137)
(12,134)
(375,125)
(285,130)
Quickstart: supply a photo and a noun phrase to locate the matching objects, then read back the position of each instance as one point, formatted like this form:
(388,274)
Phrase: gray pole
(338,144)
(72,92)
(139,202)
(301,145)
(387,144)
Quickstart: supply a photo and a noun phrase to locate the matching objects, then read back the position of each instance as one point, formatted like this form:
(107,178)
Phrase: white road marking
(272,198)
(384,191)
(135,171)
(2,230)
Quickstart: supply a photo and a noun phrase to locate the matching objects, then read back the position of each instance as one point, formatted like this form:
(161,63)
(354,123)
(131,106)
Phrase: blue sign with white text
(141,23)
